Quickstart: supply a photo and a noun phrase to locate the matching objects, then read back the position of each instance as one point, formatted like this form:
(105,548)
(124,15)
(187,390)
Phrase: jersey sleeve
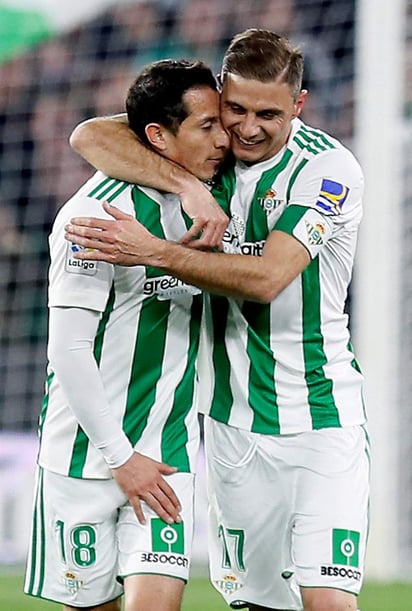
(74,282)
(325,200)
(70,352)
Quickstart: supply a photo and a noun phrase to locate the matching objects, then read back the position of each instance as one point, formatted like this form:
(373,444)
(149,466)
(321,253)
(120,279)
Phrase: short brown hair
(264,56)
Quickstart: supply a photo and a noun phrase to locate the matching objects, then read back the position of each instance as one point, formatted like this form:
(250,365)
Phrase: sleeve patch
(312,231)
(332,196)
(78,266)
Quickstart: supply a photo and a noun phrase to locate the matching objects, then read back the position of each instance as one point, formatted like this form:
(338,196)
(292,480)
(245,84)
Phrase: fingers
(135,503)
(160,503)
(115,212)
(162,500)
(211,235)
(90,239)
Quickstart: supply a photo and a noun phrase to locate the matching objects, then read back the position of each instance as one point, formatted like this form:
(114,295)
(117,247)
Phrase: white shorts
(85,536)
(286,511)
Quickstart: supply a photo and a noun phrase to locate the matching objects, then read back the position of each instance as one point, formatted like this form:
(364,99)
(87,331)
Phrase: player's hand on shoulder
(209,220)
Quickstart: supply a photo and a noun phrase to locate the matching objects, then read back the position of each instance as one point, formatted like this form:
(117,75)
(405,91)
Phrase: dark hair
(156,96)
(264,56)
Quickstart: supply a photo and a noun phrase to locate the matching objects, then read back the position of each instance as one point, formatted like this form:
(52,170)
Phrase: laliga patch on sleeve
(79,266)
(332,196)
(313,231)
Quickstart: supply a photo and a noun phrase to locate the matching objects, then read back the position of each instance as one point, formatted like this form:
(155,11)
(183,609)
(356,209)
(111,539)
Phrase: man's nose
(249,127)
(222,139)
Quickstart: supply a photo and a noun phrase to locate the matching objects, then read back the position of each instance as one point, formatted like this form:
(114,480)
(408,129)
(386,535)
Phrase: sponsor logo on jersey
(70,582)
(79,266)
(269,201)
(228,584)
(345,547)
(167,537)
(345,553)
(315,233)
(168,287)
(332,196)
(340,571)
(170,559)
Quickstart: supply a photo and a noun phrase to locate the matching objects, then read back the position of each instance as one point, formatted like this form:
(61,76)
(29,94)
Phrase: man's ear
(300,103)
(155,136)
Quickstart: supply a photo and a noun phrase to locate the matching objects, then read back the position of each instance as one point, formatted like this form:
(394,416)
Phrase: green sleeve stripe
(118,191)
(100,186)
(290,218)
(319,135)
(108,189)
(312,141)
(304,145)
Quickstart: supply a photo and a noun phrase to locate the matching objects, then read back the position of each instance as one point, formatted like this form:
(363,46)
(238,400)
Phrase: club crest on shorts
(70,582)
(228,584)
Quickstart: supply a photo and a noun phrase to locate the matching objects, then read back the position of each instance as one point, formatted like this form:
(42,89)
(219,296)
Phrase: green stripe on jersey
(222,393)
(320,389)
(143,379)
(256,225)
(108,189)
(45,402)
(317,135)
(262,392)
(294,176)
(224,190)
(313,141)
(183,399)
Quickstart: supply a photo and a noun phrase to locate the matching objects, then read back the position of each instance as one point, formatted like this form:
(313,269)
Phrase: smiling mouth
(250,143)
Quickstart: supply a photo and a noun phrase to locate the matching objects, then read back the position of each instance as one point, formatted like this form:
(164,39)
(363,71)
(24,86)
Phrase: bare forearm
(126,242)
(237,276)
(110,146)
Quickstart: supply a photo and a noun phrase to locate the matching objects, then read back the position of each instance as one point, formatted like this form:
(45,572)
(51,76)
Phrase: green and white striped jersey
(146,345)
(288,367)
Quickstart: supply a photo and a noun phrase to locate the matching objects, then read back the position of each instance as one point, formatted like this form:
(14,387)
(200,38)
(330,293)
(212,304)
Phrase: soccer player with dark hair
(119,429)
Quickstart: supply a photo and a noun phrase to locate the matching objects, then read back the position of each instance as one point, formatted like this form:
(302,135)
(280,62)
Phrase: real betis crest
(269,201)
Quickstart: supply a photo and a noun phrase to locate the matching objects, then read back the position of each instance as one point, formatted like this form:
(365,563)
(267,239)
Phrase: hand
(141,479)
(207,216)
(123,241)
